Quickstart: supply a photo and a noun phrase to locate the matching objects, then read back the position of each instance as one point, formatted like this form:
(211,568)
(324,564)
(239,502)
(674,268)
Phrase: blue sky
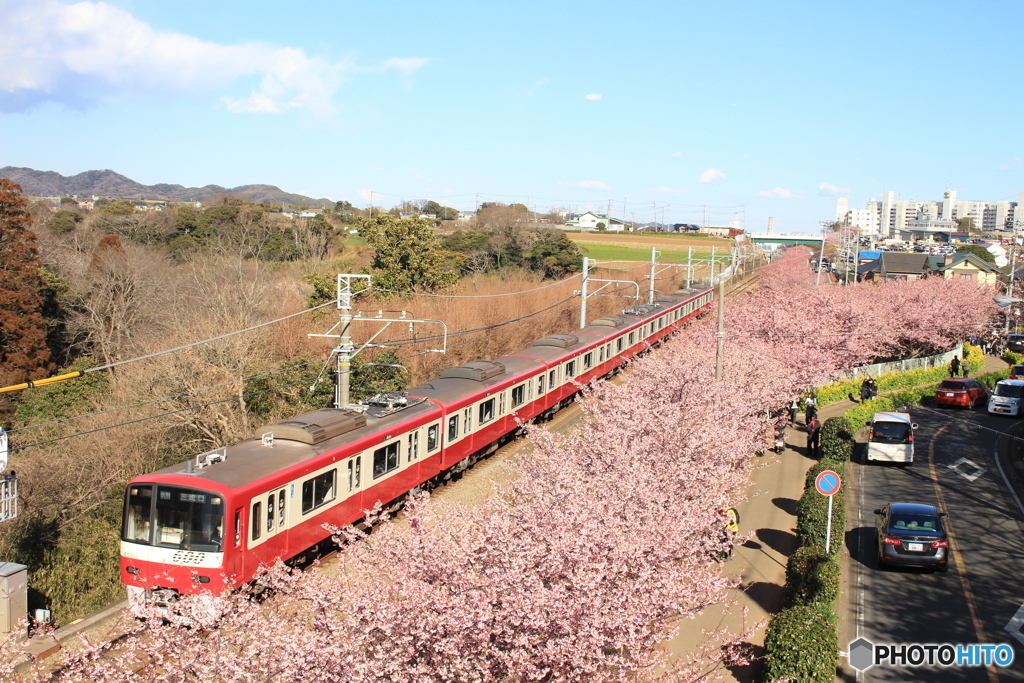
(776,107)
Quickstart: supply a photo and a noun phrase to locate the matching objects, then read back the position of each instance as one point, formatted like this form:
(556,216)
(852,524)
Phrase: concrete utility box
(13,595)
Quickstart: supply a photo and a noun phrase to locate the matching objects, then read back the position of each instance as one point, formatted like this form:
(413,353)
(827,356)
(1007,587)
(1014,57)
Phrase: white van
(1006,397)
(891,438)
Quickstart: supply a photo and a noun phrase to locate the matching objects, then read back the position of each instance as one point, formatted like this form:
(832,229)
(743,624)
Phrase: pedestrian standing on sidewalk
(813,438)
(794,408)
(954,366)
(810,408)
(965,367)
(865,389)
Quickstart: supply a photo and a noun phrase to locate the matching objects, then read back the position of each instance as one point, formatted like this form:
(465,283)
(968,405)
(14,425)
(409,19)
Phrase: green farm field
(611,252)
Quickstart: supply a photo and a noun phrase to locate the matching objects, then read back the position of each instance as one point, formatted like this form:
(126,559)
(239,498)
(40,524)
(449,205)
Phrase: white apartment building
(890,215)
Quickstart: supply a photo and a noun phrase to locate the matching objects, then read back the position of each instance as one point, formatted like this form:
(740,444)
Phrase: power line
(158,400)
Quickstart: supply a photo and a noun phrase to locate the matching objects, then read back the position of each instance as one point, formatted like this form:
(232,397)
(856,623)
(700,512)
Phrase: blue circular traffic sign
(827,483)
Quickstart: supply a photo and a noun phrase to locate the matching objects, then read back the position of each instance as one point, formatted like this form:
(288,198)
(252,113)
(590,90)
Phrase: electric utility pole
(346,350)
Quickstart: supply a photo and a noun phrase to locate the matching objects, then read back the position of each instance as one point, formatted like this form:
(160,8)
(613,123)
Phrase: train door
(234,565)
(413,447)
(273,519)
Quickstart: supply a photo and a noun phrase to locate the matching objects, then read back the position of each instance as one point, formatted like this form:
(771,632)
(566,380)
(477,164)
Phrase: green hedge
(989,379)
(802,644)
(1013,358)
(812,511)
(837,439)
(811,576)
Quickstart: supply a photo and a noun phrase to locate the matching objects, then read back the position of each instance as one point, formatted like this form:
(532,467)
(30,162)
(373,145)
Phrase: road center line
(961,569)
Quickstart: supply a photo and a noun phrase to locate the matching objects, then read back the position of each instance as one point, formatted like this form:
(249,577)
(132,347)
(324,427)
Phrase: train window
(551,379)
(467,420)
(280,509)
(632,337)
(359,470)
(136,523)
(257,515)
(486,411)
(501,403)
(453,428)
(414,446)
(318,491)
(540,385)
(350,478)
(618,344)
(432,438)
(588,360)
(570,369)
(238,527)
(270,513)
(385,459)
(518,395)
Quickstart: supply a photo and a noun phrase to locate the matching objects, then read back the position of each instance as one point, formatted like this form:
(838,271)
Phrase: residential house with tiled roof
(964,265)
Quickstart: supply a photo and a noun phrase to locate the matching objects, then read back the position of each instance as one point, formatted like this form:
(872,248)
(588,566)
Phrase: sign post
(827,483)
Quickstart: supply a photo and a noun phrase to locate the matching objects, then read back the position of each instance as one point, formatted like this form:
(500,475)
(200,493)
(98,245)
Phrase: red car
(1017,372)
(960,392)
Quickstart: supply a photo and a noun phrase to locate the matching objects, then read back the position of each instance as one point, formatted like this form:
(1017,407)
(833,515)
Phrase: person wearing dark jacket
(813,438)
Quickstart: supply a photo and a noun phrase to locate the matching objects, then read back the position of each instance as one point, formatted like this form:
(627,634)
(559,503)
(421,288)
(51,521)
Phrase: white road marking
(1014,627)
(978,469)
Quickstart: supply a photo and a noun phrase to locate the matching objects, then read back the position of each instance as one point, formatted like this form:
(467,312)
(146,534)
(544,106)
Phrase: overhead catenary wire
(154,417)
(108,366)
(162,398)
(464,332)
(476,296)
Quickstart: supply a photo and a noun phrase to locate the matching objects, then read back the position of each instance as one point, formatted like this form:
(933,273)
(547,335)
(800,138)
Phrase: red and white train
(209,525)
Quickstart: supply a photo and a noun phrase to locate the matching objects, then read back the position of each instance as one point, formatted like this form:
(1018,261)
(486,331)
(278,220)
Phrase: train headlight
(132,570)
(201,579)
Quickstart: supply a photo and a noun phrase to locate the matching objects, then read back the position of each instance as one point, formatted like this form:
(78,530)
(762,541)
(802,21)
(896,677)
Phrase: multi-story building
(890,216)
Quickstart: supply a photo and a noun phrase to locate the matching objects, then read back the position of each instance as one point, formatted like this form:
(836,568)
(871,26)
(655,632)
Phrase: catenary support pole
(720,334)
(654,258)
(689,266)
(583,293)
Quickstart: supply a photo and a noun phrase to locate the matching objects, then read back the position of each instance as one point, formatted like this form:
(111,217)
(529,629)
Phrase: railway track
(470,487)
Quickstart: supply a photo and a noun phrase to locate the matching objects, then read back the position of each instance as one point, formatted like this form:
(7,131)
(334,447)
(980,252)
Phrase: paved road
(983,590)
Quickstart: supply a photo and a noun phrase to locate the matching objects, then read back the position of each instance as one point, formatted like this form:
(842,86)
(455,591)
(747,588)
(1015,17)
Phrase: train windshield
(174,517)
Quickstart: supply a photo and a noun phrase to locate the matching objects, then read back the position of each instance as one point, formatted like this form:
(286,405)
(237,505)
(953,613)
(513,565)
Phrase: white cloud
(365,194)
(826,190)
(712,175)
(586,185)
(593,97)
(677,155)
(80,53)
(777,193)
(1016,163)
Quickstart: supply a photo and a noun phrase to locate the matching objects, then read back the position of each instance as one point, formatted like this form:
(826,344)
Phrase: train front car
(172,540)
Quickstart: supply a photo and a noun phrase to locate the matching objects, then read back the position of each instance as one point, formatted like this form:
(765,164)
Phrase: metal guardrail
(940,360)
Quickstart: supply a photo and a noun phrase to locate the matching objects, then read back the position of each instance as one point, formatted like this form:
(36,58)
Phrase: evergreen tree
(407,256)
(24,353)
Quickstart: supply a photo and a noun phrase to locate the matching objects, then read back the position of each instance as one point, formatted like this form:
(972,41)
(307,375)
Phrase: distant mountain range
(116,186)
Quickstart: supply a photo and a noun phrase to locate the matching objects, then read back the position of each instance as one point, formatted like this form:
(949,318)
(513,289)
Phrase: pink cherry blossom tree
(602,545)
